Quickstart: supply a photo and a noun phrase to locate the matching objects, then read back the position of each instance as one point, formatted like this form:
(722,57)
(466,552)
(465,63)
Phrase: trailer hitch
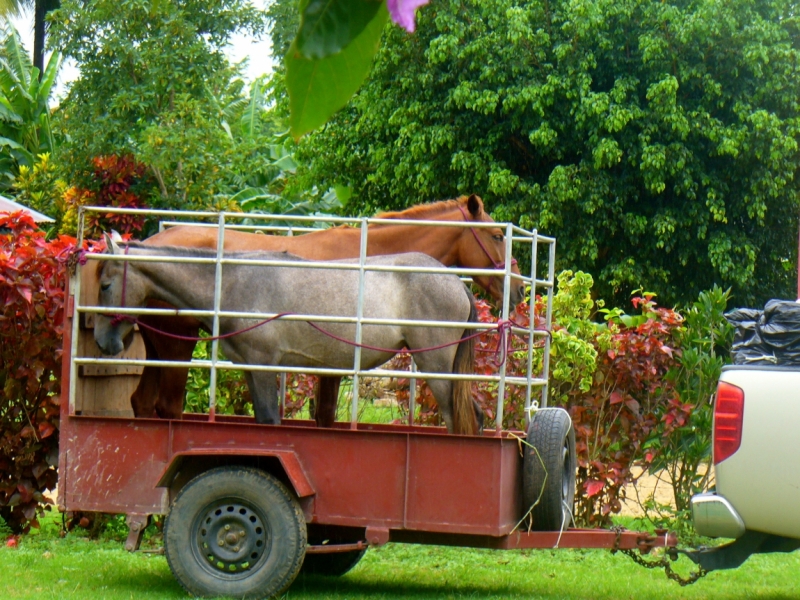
(733,554)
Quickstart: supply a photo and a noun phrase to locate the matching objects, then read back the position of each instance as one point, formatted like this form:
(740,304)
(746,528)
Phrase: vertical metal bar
(531,326)
(551,275)
(212,386)
(412,393)
(501,386)
(282,392)
(75,289)
(290,233)
(362,260)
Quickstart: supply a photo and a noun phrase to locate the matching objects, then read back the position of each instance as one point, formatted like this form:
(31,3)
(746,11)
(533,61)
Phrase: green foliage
(658,141)
(232,398)
(41,188)
(577,339)
(155,84)
(25,130)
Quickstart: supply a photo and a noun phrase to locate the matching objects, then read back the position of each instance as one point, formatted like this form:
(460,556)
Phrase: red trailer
(248,505)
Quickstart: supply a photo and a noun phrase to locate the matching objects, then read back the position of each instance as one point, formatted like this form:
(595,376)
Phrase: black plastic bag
(768,337)
(748,347)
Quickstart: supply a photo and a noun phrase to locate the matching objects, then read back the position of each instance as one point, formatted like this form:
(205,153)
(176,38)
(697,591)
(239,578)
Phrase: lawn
(45,565)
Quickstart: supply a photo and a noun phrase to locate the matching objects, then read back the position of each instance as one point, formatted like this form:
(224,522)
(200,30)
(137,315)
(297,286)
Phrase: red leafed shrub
(629,400)
(32,299)
(114,183)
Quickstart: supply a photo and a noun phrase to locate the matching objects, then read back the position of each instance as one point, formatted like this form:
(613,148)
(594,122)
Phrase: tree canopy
(155,83)
(657,140)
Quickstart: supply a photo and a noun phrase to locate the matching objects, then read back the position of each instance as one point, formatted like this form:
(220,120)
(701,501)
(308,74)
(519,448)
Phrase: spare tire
(548,470)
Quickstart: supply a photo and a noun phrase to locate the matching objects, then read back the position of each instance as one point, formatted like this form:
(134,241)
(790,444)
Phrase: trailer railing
(229,220)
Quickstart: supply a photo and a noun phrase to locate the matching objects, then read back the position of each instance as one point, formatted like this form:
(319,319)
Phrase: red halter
(495,264)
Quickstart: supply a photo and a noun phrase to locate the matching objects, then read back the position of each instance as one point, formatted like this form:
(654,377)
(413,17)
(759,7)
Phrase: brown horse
(161,391)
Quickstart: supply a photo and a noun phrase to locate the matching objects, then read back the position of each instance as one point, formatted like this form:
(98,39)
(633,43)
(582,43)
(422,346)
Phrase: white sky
(258,52)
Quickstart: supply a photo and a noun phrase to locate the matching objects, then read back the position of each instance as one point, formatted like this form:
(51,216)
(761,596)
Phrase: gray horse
(312,291)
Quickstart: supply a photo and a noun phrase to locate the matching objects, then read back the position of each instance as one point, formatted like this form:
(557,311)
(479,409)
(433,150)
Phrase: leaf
(250,118)
(251,195)
(594,487)
(329,26)
(320,87)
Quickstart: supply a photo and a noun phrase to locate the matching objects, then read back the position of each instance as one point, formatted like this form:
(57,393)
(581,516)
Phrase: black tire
(334,564)
(548,470)
(235,531)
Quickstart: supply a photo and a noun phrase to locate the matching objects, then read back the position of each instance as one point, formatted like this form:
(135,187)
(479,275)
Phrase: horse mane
(424,211)
(186,251)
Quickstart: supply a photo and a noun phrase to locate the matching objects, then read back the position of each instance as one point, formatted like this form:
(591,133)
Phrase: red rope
(191,338)
(501,350)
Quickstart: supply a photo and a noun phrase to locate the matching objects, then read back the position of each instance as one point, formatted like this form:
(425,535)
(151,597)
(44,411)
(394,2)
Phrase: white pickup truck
(755,452)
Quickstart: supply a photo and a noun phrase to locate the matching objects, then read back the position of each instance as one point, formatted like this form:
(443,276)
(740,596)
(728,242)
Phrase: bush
(32,298)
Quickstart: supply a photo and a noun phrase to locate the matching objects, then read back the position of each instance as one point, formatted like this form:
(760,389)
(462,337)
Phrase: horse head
(117,288)
(484,248)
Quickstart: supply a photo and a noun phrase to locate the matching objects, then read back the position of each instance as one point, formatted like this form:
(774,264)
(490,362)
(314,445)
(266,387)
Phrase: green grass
(74,567)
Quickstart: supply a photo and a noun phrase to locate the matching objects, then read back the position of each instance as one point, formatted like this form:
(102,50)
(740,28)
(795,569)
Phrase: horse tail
(464,421)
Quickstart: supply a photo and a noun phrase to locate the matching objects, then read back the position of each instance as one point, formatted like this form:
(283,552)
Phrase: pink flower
(403,12)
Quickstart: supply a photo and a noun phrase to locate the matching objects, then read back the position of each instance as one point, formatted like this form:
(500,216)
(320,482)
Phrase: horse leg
(172,390)
(443,392)
(264,391)
(145,396)
(327,400)
(166,387)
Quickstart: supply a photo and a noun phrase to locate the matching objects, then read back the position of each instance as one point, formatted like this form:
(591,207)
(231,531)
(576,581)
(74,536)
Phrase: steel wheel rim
(566,476)
(231,538)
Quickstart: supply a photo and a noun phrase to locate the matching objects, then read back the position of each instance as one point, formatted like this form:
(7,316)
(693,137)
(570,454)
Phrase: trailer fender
(283,464)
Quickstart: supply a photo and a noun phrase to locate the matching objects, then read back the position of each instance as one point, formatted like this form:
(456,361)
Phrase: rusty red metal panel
(288,459)
(112,465)
(64,425)
(377,477)
(358,476)
(456,484)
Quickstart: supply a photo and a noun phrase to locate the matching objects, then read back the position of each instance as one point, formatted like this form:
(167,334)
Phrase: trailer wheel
(548,470)
(235,531)
(334,564)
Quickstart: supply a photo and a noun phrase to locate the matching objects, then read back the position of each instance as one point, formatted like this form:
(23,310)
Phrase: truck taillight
(728,414)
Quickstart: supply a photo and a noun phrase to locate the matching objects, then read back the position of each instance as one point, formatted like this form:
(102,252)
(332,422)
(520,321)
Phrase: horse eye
(105,285)
(498,237)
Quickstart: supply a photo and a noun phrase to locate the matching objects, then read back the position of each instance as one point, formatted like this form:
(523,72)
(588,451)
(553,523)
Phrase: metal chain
(665,563)
(656,564)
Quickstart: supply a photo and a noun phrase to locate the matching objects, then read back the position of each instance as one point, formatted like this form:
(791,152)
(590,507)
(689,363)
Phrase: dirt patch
(649,484)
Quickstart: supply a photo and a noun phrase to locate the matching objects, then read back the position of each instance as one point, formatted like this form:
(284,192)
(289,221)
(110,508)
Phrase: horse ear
(116,236)
(111,244)
(475,206)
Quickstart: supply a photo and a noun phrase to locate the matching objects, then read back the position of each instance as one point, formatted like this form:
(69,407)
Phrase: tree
(657,141)
(40,10)
(153,79)
(25,130)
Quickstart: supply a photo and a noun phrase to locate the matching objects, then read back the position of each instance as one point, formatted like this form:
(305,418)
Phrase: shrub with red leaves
(32,300)
(630,400)
(114,182)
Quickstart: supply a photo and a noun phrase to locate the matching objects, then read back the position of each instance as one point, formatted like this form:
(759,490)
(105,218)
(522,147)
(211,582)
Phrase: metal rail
(214,363)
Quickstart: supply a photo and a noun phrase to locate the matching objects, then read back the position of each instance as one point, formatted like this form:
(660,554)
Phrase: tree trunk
(39,13)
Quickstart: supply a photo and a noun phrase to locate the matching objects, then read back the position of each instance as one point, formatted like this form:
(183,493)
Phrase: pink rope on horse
(502,349)
(192,338)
